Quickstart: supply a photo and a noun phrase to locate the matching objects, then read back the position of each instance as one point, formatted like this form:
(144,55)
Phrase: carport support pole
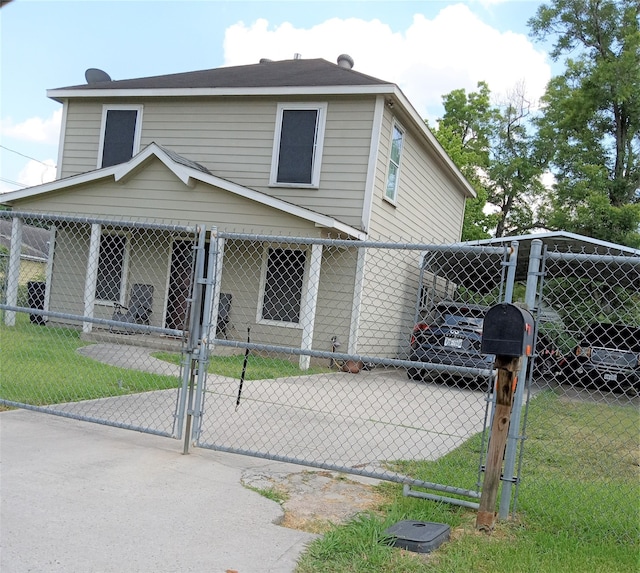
(508,368)
(533,275)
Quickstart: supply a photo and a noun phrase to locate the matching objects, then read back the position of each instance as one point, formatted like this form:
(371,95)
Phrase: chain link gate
(591,335)
(306,348)
(80,336)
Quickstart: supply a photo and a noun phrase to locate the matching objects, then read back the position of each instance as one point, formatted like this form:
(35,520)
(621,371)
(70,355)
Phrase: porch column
(354,327)
(308,310)
(13,271)
(91,276)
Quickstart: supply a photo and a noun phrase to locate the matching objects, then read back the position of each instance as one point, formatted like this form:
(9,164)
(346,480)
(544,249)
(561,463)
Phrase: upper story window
(393,174)
(297,147)
(119,134)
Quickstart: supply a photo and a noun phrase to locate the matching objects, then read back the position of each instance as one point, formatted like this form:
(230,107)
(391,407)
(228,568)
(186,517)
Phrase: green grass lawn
(258,367)
(39,365)
(578,510)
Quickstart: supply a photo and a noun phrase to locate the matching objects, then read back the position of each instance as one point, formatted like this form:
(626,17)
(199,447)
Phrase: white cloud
(427,60)
(35,173)
(35,129)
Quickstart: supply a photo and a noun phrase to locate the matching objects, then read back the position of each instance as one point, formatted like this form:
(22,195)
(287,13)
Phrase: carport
(533,258)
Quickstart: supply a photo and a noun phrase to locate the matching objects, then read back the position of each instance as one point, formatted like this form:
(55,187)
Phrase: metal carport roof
(610,261)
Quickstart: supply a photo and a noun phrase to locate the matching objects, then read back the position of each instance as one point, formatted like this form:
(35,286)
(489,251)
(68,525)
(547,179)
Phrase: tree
(515,169)
(464,132)
(590,126)
(494,148)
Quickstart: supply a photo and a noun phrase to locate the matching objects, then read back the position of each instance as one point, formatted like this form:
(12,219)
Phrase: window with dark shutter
(297,151)
(119,136)
(297,144)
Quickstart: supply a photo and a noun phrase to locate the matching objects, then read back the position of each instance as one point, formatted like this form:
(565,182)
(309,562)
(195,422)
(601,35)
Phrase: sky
(428,48)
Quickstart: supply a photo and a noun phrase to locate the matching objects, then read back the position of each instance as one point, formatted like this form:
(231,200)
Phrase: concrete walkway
(84,498)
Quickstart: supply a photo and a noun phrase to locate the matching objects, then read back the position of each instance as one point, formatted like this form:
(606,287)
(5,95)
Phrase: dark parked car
(607,357)
(452,338)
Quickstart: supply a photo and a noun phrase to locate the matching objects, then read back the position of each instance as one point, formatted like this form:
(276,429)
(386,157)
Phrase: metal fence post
(194,335)
(514,428)
(209,322)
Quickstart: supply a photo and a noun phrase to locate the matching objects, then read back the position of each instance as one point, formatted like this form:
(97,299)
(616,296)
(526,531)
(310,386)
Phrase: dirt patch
(314,501)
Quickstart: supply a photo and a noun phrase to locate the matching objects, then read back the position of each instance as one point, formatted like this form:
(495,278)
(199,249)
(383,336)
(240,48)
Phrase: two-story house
(295,148)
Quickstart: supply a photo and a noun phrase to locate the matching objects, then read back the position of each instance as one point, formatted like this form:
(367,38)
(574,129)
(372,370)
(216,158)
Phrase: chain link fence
(319,361)
(583,428)
(361,357)
(81,341)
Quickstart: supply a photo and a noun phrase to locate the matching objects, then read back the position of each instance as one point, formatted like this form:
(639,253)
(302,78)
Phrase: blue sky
(428,48)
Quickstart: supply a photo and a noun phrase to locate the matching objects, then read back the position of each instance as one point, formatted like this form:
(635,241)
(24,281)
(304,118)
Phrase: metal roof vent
(345,61)
(265,60)
(297,56)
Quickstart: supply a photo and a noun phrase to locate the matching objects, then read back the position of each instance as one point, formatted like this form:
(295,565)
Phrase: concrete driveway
(85,498)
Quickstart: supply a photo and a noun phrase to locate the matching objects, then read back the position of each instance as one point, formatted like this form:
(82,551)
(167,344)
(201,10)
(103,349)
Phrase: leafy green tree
(590,126)
(464,132)
(494,148)
(515,169)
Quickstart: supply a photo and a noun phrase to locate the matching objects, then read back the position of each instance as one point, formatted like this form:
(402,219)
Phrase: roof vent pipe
(297,56)
(345,61)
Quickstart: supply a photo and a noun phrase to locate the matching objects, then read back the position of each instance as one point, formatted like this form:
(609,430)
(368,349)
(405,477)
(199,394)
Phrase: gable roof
(35,240)
(285,73)
(298,77)
(188,172)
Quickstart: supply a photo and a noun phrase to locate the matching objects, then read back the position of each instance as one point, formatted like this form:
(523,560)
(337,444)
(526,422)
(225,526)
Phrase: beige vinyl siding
(388,302)
(81,138)
(157,194)
(428,207)
(234,140)
(241,275)
(335,298)
(70,254)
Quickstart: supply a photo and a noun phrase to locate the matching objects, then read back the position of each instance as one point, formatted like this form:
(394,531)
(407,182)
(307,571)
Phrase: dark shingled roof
(286,73)
(183,160)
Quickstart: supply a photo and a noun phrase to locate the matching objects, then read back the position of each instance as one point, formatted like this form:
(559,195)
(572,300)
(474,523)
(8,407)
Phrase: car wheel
(415,374)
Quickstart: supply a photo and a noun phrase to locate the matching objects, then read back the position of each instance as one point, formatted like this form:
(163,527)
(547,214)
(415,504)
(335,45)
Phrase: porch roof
(189,173)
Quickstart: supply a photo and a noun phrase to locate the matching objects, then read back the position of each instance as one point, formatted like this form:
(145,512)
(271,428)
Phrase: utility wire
(12,182)
(27,156)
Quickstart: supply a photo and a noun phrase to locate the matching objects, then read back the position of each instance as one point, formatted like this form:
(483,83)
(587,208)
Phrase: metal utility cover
(418,536)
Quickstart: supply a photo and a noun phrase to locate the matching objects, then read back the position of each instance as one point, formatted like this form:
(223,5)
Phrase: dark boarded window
(297,146)
(283,285)
(119,136)
(110,267)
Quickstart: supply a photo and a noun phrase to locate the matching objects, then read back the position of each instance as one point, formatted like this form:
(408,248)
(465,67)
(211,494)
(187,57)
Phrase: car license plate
(453,342)
(611,377)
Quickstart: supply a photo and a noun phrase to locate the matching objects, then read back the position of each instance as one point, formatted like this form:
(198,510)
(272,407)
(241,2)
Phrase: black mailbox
(507,331)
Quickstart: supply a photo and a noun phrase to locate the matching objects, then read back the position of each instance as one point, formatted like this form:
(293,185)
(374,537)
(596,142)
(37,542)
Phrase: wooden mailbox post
(507,333)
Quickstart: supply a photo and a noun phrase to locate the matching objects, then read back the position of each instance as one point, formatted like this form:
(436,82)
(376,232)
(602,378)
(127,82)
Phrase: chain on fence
(583,427)
(96,331)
